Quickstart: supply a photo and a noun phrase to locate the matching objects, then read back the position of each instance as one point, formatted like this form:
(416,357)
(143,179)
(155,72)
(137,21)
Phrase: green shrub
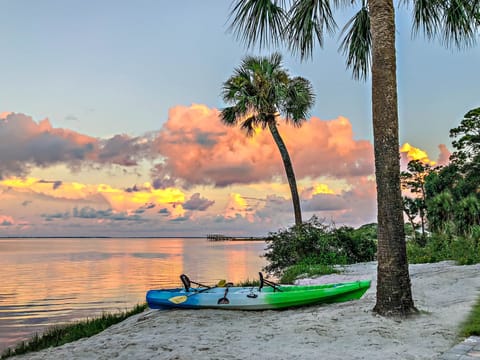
(313,242)
(462,249)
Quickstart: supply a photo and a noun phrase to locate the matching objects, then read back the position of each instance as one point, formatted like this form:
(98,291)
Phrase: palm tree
(369,38)
(260,90)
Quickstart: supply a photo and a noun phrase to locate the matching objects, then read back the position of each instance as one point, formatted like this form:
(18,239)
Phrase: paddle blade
(178,299)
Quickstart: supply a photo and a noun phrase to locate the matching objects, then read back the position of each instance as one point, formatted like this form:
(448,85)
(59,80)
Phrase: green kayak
(267,295)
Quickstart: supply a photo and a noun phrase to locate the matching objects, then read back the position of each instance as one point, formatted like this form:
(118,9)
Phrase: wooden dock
(221,237)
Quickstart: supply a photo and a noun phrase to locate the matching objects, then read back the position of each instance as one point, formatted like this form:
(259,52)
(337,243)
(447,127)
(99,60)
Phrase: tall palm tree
(260,90)
(369,44)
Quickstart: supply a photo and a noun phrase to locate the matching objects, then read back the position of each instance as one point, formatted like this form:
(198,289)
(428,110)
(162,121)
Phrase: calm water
(51,281)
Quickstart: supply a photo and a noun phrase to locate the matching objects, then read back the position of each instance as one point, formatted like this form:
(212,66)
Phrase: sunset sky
(109,123)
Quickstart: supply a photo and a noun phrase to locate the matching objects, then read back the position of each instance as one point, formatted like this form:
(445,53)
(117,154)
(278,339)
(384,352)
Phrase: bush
(462,249)
(313,242)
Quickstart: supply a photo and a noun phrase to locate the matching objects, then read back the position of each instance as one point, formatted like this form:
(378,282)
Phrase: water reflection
(50,281)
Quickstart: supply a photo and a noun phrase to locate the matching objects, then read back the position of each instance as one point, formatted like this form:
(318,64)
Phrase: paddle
(182,298)
(224,299)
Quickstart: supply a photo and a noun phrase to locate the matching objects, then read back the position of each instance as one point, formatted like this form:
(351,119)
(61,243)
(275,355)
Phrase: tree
(466,156)
(260,91)
(467,215)
(369,37)
(414,181)
(441,212)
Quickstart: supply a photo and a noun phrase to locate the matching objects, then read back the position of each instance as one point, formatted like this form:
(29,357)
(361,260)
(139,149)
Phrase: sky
(109,123)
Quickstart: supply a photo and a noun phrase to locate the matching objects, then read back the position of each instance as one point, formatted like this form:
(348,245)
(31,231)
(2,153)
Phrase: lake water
(50,281)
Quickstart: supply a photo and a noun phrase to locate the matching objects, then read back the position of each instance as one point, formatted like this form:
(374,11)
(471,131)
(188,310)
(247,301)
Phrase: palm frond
(258,21)
(460,19)
(308,20)
(252,122)
(426,16)
(298,100)
(357,43)
(228,116)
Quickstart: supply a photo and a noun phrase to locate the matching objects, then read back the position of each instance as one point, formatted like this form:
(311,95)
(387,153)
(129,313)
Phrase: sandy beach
(443,292)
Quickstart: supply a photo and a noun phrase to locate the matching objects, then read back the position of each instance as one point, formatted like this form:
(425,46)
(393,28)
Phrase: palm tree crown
(260,90)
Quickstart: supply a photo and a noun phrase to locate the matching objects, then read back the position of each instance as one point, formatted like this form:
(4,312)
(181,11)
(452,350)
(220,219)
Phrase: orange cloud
(413,153)
(199,149)
(238,206)
(3,115)
(409,153)
(118,199)
(322,189)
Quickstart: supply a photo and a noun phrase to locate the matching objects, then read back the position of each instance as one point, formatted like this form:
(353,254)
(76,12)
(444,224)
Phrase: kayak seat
(263,281)
(186,282)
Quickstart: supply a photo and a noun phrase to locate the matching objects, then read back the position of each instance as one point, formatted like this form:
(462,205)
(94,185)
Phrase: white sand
(348,330)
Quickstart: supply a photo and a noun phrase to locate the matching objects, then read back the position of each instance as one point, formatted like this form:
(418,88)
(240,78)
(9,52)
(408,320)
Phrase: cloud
(25,143)
(409,153)
(122,150)
(88,212)
(200,150)
(144,196)
(54,216)
(324,202)
(444,156)
(6,220)
(236,206)
(197,203)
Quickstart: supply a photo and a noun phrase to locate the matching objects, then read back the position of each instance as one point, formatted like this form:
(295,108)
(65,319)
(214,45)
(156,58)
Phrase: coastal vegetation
(443,204)
(471,326)
(314,248)
(369,44)
(62,334)
(260,90)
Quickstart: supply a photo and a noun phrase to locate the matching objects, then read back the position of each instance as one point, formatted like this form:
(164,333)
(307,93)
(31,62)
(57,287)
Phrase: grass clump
(59,335)
(471,326)
(305,270)
(248,283)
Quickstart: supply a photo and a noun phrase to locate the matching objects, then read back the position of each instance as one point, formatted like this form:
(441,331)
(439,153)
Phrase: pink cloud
(6,220)
(444,155)
(199,149)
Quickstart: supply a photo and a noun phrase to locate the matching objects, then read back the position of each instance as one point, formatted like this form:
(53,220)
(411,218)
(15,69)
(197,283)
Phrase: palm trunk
(394,295)
(287,163)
